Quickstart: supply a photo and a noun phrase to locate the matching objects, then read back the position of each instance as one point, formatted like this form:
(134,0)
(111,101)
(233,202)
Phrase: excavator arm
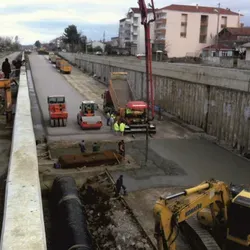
(170,211)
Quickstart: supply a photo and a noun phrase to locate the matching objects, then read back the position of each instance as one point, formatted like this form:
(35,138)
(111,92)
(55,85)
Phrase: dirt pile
(110,223)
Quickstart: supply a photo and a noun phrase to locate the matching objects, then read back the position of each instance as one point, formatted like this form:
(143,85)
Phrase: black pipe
(69,224)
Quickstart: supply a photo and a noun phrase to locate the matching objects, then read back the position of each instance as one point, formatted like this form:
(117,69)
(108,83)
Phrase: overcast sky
(44,20)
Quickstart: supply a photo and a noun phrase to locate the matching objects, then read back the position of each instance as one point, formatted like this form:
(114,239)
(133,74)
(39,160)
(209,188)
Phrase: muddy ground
(156,164)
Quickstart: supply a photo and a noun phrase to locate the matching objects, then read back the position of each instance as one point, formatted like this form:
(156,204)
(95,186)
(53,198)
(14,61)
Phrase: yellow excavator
(6,85)
(211,216)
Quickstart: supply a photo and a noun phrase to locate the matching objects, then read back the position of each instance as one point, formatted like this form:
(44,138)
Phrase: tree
(108,48)
(38,44)
(83,42)
(71,36)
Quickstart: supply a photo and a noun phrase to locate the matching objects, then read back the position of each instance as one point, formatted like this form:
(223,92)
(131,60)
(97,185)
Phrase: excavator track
(198,237)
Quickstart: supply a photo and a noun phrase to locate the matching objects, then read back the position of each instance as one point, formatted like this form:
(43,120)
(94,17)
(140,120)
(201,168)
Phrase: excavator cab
(238,222)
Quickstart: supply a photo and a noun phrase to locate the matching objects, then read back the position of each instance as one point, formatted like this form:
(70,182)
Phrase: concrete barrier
(23,224)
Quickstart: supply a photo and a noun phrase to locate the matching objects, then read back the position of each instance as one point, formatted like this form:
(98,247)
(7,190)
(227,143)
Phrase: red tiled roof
(200,9)
(244,31)
(220,47)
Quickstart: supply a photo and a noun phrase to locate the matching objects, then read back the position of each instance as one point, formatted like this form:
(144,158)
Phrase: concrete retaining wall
(219,61)
(23,225)
(243,64)
(214,99)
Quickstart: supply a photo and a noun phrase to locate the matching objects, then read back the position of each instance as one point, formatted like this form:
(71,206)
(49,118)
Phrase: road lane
(48,81)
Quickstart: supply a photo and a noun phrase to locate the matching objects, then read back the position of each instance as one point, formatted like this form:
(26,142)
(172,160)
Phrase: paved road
(48,81)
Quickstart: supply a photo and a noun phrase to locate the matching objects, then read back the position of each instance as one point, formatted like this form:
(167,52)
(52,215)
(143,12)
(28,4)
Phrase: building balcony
(160,27)
(160,32)
(161,20)
(161,15)
(128,21)
(160,38)
(184,23)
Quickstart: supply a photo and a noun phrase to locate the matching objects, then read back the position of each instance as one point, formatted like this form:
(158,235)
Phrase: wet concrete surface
(195,160)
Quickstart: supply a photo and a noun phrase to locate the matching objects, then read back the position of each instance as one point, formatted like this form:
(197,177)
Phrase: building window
(203,29)
(223,22)
(184,20)
(224,53)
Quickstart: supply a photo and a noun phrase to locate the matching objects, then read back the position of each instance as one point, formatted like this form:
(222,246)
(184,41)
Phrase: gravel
(110,223)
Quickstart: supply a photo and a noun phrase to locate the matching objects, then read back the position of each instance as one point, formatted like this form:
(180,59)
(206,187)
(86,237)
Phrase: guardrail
(23,224)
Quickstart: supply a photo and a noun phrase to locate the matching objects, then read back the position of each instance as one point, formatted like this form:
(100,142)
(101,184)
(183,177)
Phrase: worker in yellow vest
(116,127)
(122,128)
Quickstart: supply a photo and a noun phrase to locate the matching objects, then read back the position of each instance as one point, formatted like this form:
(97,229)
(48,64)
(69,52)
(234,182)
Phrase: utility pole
(218,23)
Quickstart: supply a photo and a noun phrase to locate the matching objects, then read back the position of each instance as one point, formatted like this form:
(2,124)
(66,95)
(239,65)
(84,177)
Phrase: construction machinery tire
(64,122)
(52,123)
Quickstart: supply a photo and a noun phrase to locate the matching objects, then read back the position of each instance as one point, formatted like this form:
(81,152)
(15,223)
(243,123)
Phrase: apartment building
(131,32)
(184,30)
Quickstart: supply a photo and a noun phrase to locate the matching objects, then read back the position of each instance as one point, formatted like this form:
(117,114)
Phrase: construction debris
(110,223)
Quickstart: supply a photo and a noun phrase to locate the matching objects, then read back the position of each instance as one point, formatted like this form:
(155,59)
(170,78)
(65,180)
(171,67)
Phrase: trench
(110,222)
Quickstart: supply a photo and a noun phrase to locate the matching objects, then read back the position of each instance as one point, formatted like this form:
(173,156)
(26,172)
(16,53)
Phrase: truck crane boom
(149,77)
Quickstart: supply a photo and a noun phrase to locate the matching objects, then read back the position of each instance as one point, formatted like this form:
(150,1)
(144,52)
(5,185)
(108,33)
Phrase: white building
(184,30)
(114,41)
(131,31)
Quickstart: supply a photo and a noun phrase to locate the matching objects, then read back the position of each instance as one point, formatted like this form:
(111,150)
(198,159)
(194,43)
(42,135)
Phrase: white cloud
(8,3)
(12,22)
(27,35)
(67,15)
(80,11)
